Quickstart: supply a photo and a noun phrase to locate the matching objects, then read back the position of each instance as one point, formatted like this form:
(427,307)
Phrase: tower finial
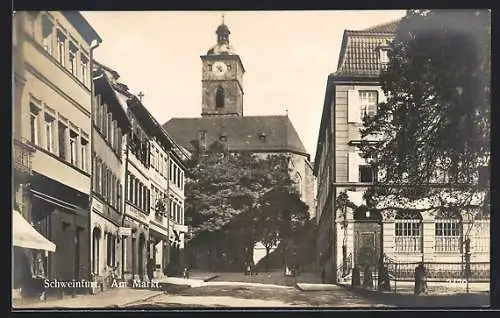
(223,18)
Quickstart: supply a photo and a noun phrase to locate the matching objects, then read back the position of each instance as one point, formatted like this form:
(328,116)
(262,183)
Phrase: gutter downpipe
(94,45)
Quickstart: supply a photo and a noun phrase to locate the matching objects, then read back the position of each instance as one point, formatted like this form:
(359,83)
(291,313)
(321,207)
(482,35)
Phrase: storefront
(158,250)
(135,246)
(61,215)
(105,255)
(29,249)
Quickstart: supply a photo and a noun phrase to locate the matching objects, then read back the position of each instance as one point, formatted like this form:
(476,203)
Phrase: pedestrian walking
(420,279)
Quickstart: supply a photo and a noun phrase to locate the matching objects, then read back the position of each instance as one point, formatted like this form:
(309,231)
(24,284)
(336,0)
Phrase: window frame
(49,132)
(366,103)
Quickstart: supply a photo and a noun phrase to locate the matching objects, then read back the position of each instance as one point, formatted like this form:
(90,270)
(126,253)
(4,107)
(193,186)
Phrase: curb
(210,278)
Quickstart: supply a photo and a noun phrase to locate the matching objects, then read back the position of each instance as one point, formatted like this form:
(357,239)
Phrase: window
(104,121)
(448,231)
(62,130)
(73,147)
(94,172)
(171,207)
(84,147)
(99,176)
(298,179)
(61,47)
(34,112)
(368,101)
(119,197)
(104,173)
(481,236)
(84,64)
(181,183)
(170,173)
(49,132)
(408,232)
(73,51)
(384,56)
(47,30)
(130,187)
(139,196)
(111,245)
(109,124)
(366,173)
(219,97)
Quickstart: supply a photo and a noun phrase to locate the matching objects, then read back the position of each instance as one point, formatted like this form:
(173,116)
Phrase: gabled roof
(359,56)
(250,133)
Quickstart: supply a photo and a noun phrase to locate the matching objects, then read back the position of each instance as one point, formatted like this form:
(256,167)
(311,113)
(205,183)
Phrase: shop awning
(24,235)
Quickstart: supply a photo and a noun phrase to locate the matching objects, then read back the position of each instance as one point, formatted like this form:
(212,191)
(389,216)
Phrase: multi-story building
(52,113)
(110,126)
(350,236)
(178,229)
(166,179)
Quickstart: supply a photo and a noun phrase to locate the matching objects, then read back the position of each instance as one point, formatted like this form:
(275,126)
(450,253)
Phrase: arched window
(96,239)
(448,231)
(408,232)
(219,97)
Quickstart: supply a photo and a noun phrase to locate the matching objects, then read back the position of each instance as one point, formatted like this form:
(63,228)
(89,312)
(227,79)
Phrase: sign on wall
(124,231)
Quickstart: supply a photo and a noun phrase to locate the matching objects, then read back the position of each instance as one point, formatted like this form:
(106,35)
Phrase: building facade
(110,126)
(52,107)
(349,237)
(222,119)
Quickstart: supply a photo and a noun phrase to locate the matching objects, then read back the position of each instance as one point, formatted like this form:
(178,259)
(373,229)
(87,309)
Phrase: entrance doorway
(367,238)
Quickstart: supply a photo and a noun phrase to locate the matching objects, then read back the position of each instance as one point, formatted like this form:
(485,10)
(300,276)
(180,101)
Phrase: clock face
(219,68)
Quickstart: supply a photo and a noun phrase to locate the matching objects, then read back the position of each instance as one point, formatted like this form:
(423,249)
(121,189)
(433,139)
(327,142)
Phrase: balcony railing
(22,157)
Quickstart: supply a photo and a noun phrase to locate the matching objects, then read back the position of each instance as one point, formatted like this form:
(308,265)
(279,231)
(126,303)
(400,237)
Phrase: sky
(287,56)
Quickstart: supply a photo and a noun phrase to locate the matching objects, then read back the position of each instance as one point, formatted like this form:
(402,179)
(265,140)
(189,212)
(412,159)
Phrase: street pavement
(272,289)
(118,297)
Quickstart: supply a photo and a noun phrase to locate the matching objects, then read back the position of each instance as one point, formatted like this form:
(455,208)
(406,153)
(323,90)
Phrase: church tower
(222,78)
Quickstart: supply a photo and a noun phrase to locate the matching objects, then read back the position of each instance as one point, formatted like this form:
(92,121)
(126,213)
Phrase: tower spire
(222,33)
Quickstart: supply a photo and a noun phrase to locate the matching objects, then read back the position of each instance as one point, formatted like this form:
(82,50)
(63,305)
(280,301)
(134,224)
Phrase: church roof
(250,133)
(359,56)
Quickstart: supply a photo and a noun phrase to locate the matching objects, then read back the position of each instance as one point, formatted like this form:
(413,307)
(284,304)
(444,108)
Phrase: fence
(440,271)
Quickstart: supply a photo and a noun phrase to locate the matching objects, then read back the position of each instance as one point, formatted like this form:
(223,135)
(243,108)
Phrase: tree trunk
(267,259)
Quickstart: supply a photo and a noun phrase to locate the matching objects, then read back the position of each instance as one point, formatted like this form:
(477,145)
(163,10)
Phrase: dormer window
(262,136)
(384,56)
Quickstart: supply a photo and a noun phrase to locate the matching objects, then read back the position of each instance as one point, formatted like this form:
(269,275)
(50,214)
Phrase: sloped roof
(250,133)
(388,27)
(359,56)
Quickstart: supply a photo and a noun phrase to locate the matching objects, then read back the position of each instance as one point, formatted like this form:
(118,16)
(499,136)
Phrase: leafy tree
(237,199)
(436,120)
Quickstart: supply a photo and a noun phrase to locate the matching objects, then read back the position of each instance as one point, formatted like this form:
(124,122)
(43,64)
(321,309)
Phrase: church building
(222,118)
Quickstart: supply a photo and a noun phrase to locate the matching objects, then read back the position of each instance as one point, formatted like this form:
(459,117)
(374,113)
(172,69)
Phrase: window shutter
(353,169)
(353,107)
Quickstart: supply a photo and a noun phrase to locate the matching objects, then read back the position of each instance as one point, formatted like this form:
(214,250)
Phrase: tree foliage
(241,198)
(436,120)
